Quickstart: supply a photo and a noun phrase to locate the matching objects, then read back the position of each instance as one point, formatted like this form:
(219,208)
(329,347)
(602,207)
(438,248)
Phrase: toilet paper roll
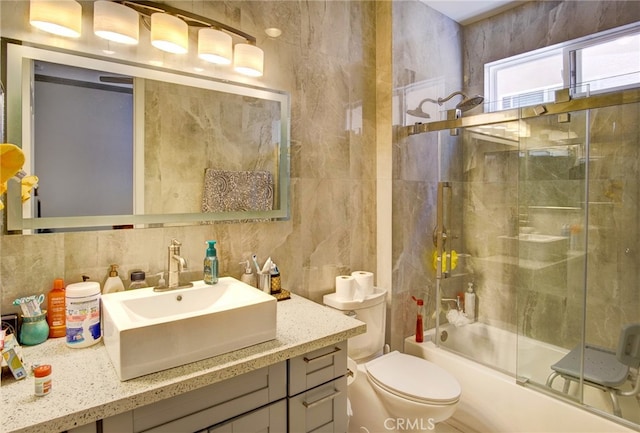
(345,287)
(364,281)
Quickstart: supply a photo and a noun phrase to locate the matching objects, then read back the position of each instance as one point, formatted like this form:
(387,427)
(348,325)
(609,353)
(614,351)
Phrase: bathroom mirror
(173,148)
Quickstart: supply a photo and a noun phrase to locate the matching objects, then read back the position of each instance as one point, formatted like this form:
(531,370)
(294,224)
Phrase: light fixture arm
(146,8)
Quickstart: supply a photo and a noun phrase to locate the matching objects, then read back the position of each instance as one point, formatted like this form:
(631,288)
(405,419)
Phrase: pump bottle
(211,264)
(113,283)
(470,303)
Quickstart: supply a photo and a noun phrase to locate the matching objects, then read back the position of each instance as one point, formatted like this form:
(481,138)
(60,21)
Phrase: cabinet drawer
(272,418)
(321,409)
(317,367)
(212,404)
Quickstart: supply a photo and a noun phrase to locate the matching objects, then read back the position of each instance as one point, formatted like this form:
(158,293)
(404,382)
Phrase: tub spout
(456,300)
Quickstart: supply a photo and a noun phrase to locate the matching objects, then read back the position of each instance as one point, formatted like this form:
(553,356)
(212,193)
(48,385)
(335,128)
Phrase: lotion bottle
(113,283)
(211,264)
(56,310)
(470,303)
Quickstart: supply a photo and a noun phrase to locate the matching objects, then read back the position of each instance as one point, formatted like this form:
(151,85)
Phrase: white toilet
(392,391)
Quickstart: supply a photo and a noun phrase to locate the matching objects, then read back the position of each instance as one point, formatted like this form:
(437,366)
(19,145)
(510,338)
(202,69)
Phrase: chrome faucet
(176,264)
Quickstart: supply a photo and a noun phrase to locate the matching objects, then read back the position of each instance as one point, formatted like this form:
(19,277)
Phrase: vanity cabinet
(303,394)
(317,390)
(272,418)
(257,395)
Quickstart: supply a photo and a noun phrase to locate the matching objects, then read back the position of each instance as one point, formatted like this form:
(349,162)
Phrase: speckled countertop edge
(86,387)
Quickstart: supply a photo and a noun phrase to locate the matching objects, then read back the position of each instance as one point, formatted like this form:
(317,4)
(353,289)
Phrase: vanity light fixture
(119,21)
(248,60)
(215,39)
(115,22)
(215,46)
(169,33)
(60,17)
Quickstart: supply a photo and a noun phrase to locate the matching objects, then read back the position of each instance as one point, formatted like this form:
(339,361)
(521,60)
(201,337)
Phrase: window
(601,62)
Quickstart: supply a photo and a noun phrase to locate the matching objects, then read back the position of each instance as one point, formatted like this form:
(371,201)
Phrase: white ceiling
(469,11)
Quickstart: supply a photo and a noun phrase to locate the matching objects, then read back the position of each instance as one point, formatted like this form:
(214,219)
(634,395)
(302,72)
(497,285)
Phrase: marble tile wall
(427,62)
(326,59)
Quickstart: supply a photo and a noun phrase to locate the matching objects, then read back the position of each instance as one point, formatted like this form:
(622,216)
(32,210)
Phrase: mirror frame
(19,72)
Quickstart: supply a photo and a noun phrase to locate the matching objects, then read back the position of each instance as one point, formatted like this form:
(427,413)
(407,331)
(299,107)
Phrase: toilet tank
(372,311)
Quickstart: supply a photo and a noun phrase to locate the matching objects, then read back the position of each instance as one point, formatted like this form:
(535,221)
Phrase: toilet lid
(413,378)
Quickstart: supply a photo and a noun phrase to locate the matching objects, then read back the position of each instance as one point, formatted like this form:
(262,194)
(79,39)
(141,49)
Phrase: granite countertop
(86,388)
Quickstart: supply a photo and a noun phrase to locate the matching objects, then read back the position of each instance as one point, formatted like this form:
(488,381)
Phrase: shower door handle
(443,219)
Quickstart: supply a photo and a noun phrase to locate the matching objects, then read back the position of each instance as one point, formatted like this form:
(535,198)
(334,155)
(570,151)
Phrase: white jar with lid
(82,301)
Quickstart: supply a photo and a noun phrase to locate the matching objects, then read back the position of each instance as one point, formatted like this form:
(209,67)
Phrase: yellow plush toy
(11,162)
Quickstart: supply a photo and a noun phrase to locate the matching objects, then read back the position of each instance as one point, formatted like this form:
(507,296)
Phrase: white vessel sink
(147,331)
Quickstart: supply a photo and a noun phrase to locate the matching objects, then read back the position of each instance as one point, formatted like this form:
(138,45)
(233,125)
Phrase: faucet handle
(175,243)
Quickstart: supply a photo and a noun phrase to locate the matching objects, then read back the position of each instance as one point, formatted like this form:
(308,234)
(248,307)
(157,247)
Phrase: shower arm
(441,101)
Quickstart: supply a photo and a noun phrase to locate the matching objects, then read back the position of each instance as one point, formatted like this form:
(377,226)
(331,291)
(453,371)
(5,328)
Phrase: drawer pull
(315,358)
(321,400)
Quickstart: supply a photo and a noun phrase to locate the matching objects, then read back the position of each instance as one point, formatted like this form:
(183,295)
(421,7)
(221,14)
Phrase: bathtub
(491,399)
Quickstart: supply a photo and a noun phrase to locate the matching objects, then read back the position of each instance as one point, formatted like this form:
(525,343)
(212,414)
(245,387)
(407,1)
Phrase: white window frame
(570,75)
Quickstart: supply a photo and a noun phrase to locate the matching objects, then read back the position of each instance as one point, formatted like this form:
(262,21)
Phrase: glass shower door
(578,267)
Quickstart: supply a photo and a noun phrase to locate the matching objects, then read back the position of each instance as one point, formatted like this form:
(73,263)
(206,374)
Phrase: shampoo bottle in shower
(419,324)
(470,303)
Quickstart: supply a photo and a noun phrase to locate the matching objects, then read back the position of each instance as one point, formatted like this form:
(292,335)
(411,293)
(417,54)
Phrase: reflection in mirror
(82,142)
(143,147)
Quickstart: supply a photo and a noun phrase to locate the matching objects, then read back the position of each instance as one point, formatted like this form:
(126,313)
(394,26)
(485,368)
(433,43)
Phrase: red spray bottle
(419,325)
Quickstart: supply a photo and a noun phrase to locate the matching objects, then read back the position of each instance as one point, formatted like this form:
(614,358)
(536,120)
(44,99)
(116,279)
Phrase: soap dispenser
(470,303)
(211,264)
(113,283)
(248,277)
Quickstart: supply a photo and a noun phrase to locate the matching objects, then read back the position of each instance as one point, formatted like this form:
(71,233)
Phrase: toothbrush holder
(264,282)
(34,330)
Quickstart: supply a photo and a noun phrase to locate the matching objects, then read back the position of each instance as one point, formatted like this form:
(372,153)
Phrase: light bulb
(60,17)
(169,33)
(115,22)
(248,60)
(215,46)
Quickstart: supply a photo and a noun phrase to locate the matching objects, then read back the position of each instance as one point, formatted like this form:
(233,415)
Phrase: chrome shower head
(417,112)
(468,103)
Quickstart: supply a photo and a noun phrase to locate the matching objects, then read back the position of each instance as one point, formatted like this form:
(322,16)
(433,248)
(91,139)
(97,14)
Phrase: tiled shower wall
(426,55)
(544,312)
(443,51)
